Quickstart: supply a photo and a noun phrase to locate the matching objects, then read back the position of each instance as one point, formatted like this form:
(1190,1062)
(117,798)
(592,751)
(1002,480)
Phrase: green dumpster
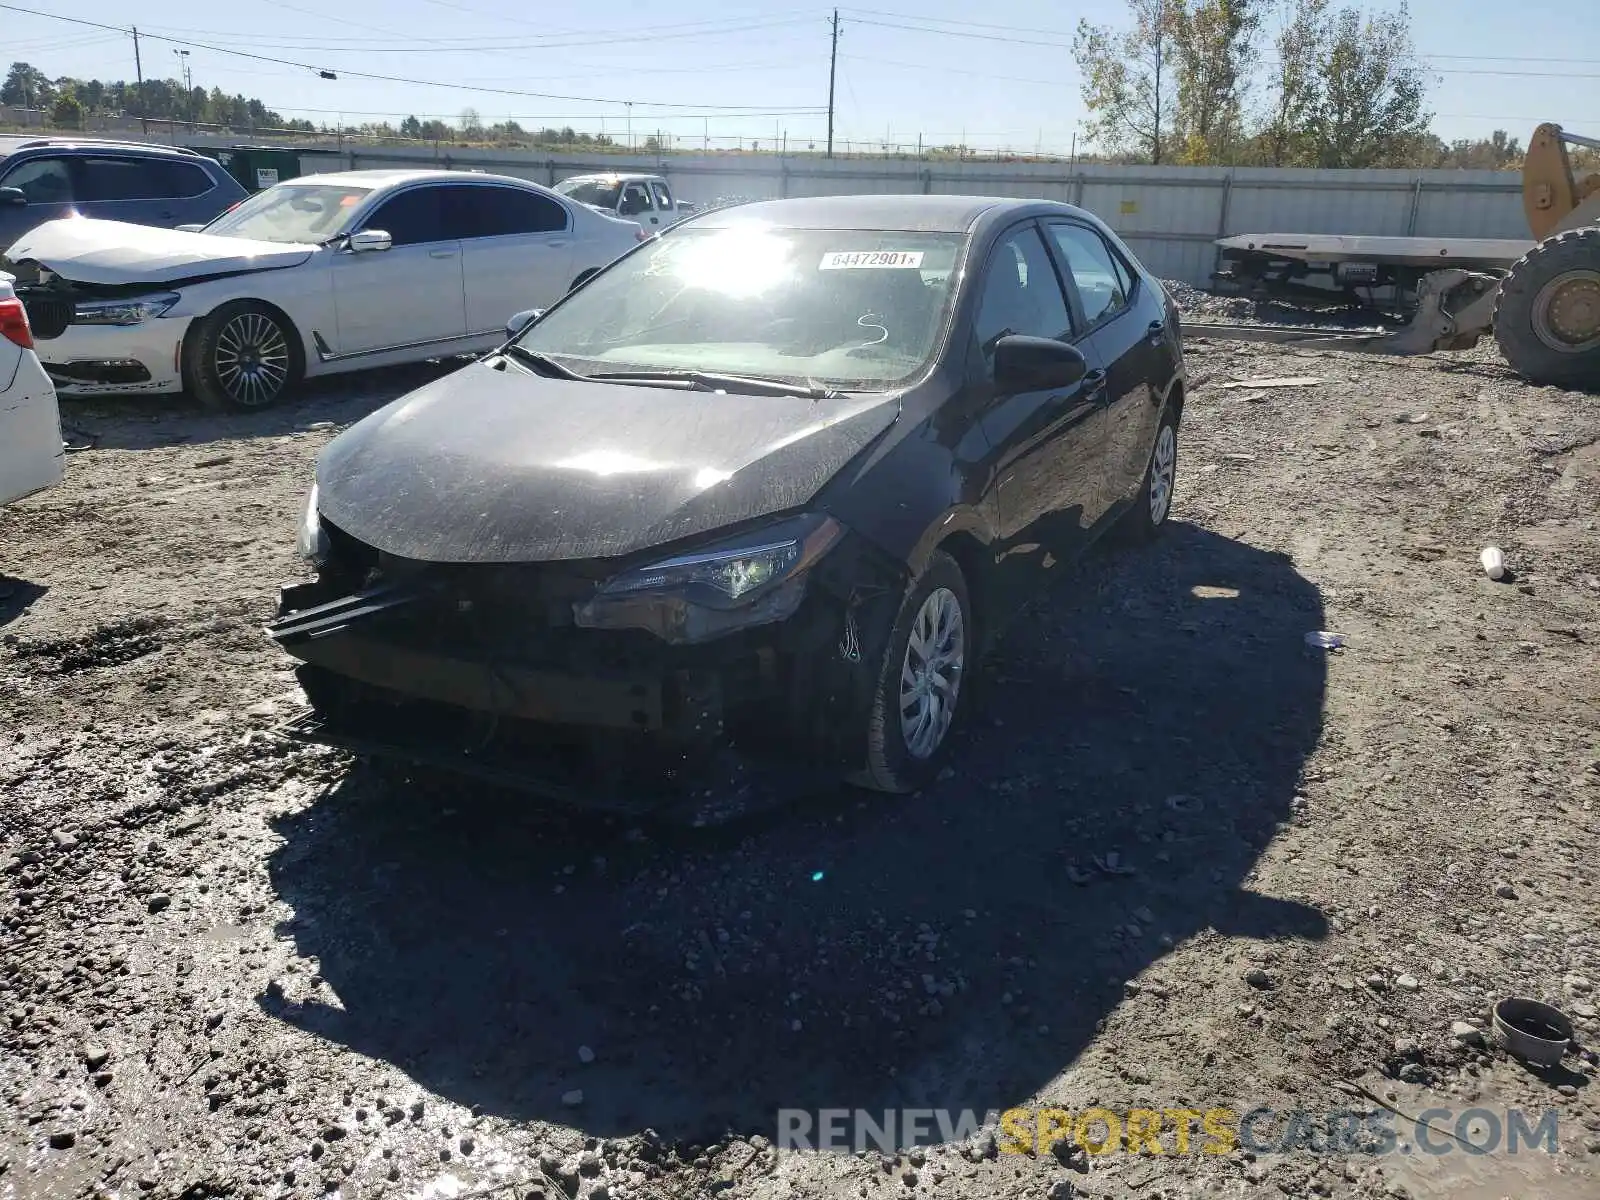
(258,167)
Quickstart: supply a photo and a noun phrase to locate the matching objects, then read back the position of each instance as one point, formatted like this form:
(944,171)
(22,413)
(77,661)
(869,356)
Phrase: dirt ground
(1180,860)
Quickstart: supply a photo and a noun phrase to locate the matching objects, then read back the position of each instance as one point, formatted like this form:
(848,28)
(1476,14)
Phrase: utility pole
(138,70)
(833,67)
(1157,156)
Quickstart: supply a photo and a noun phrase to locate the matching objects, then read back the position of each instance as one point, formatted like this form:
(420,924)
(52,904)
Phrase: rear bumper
(32,457)
(107,360)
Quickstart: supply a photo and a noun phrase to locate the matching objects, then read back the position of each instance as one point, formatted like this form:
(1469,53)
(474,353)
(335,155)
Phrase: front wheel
(919,694)
(241,357)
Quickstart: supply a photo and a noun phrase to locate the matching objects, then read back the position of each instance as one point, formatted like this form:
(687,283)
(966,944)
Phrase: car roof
(14,145)
(380,178)
(611,177)
(922,214)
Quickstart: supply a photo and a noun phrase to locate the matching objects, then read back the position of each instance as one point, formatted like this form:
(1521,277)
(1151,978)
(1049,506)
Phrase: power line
(1067,46)
(982,37)
(927,25)
(748,110)
(504,47)
(591,37)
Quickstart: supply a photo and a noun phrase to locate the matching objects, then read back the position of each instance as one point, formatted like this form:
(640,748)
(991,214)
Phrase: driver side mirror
(13,196)
(369,240)
(1033,364)
(522,320)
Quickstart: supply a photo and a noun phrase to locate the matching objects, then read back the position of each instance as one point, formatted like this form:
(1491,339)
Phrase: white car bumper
(31,455)
(110,360)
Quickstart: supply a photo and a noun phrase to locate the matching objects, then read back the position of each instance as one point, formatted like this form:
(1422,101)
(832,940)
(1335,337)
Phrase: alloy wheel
(251,359)
(930,676)
(1163,465)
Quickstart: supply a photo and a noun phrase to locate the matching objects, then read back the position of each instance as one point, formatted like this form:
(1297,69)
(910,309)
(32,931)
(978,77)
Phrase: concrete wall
(1171,216)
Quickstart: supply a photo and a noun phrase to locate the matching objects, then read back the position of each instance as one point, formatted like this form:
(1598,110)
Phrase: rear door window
(181,180)
(483,210)
(42,180)
(107,178)
(414,217)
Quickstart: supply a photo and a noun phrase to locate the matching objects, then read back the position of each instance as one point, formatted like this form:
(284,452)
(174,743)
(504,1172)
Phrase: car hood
(115,252)
(491,464)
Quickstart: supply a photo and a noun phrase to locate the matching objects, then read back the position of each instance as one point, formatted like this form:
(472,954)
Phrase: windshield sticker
(840,260)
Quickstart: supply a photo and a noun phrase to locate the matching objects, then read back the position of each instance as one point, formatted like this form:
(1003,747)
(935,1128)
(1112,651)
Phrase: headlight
(124,312)
(312,542)
(755,580)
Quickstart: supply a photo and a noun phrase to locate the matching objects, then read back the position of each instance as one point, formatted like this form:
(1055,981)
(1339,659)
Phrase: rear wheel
(919,694)
(1150,510)
(241,357)
(1547,316)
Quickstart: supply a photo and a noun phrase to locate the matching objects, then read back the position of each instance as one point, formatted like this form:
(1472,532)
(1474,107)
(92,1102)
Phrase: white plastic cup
(1494,562)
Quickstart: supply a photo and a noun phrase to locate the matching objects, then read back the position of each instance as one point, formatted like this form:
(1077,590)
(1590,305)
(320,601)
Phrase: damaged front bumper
(489,671)
(103,360)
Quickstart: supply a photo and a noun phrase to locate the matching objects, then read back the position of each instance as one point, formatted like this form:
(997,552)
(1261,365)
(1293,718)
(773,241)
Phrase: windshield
(855,309)
(291,212)
(602,192)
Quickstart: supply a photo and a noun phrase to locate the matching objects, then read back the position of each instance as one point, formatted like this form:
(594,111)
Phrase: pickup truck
(646,199)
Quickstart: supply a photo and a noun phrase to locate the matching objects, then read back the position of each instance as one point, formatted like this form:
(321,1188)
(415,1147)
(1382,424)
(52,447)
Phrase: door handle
(441,253)
(1156,331)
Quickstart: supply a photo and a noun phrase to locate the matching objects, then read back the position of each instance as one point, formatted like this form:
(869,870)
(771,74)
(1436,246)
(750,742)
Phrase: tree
(1297,78)
(471,124)
(66,113)
(1128,84)
(26,86)
(1371,103)
(1498,152)
(1214,52)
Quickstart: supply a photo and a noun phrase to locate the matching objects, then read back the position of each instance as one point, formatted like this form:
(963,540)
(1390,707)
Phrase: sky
(994,76)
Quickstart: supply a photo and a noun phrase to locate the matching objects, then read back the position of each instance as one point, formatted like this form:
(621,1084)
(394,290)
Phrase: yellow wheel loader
(1541,300)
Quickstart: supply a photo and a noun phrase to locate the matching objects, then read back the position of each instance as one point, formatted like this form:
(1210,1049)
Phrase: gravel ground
(1179,859)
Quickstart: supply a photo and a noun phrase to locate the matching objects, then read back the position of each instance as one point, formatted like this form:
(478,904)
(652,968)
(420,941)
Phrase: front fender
(304,294)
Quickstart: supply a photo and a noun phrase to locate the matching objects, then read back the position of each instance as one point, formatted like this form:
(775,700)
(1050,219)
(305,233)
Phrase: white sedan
(317,275)
(31,452)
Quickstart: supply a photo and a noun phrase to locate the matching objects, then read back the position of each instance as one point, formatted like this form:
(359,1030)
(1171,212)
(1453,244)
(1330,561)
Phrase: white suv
(31,450)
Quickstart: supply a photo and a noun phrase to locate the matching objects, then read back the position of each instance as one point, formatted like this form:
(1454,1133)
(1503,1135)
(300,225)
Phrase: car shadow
(143,422)
(16,595)
(1141,739)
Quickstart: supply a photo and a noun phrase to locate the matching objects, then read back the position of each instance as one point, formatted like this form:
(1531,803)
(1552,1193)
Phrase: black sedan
(771,480)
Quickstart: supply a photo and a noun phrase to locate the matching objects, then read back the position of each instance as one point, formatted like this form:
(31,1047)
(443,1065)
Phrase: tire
(1148,516)
(1547,315)
(896,762)
(583,278)
(242,357)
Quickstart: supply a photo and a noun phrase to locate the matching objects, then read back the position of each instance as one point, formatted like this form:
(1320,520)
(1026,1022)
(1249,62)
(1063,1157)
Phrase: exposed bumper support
(1454,309)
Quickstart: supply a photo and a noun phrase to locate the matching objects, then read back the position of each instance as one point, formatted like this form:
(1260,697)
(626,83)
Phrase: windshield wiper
(713,381)
(542,362)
